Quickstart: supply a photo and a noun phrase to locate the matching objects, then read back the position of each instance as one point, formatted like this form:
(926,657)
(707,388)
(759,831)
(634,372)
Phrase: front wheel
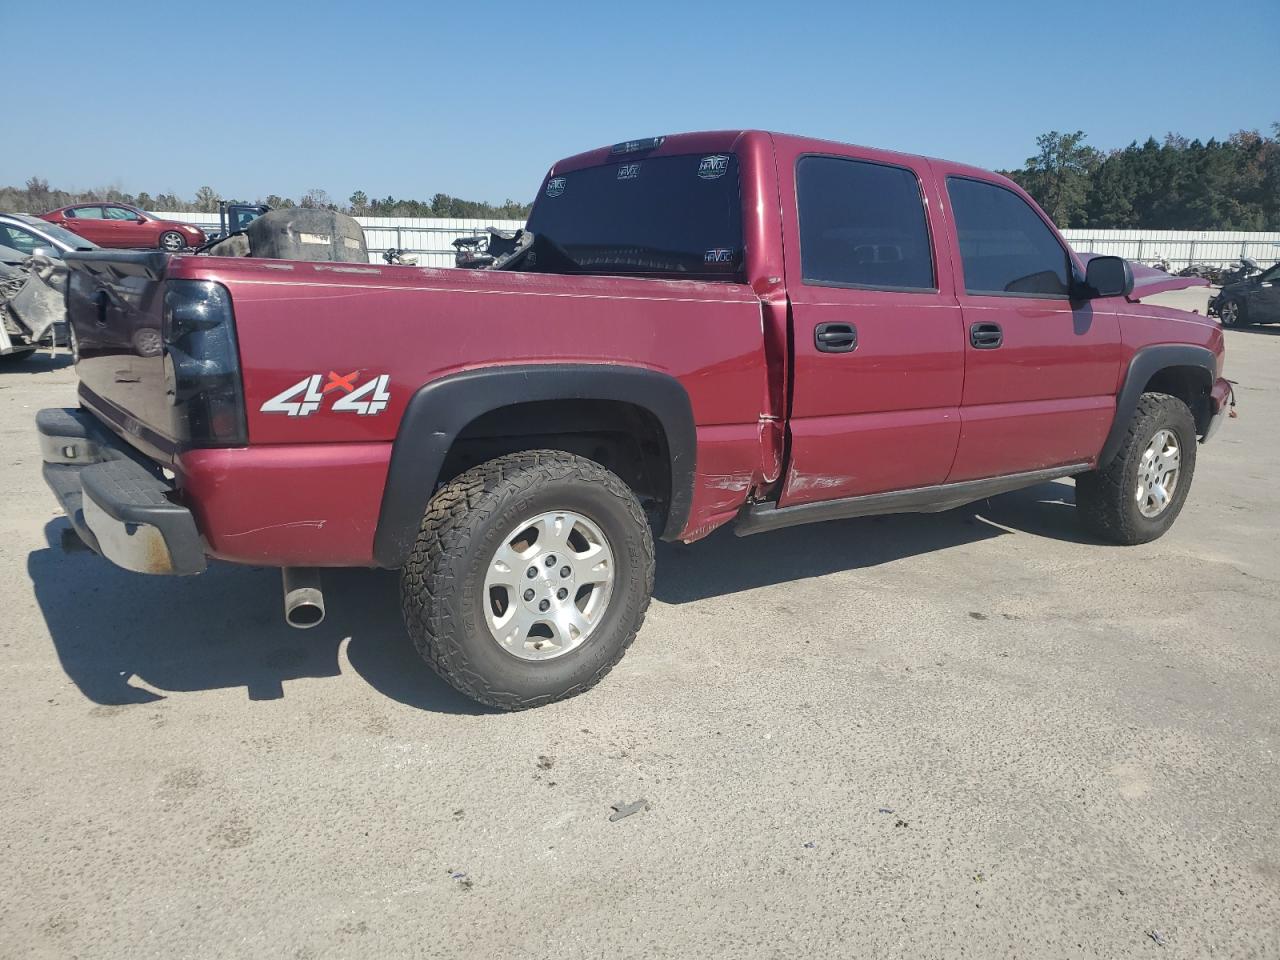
(529,578)
(1232,313)
(171,241)
(1138,495)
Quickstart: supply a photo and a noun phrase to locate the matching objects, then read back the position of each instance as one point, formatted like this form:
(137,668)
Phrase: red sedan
(120,225)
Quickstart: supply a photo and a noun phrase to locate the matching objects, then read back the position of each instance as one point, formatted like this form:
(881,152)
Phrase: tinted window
(86,213)
(664,216)
(120,213)
(862,225)
(1004,245)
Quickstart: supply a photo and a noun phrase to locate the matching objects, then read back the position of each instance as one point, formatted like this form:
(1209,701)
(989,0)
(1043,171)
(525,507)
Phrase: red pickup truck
(694,330)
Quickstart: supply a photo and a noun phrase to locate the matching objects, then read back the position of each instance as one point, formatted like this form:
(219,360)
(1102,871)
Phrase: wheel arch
(441,412)
(1181,370)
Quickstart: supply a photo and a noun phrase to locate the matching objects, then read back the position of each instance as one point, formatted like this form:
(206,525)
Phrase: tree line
(1174,184)
(36,196)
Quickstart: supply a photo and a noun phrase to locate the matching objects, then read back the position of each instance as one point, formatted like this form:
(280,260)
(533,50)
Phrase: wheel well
(622,437)
(1191,385)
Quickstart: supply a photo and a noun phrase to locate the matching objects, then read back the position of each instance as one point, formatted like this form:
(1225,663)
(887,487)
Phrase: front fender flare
(1145,364)
(439,411)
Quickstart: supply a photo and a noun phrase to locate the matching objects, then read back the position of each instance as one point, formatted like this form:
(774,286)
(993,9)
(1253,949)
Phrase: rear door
(88,222)
(878,350)
(1041,370)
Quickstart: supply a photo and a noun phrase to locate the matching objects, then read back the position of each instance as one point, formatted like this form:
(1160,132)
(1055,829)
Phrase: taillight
(202,365)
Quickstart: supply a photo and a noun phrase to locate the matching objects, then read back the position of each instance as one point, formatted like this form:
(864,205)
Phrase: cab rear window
(675,216)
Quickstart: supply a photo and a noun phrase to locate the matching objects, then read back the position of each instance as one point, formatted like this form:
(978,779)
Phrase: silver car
(21,235)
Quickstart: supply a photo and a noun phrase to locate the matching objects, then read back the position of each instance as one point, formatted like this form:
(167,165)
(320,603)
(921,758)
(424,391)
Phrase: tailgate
(115,305)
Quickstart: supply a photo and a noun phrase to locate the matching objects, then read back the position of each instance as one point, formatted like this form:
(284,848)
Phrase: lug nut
(565,571)
(544,606)
(551,561)
(531,572)
(561,593)
(528,594)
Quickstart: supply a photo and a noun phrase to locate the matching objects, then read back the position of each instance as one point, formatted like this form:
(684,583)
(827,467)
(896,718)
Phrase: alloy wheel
(548,585)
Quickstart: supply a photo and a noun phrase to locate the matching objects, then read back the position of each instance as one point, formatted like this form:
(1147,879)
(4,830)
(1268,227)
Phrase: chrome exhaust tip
(303,598)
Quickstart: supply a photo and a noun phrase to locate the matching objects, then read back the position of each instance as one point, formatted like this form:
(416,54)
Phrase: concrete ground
(979,734)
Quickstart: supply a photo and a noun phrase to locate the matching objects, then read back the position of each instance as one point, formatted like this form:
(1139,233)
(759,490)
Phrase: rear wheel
(1138,495)
(172,241)
(529,578)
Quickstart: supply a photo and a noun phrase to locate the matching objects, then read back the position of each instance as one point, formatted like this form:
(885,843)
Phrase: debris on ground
(546,763)
(621,809)
(460,878)
(901,823)
(1158,938)
(886,810)
(809,845)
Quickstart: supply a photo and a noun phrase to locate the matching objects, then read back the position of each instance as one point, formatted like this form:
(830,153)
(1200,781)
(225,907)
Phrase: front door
(1264,300)
(877,334)
(121,226)
(1041,369)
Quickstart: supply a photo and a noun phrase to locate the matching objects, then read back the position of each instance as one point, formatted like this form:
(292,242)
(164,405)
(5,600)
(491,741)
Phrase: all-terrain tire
(442,592)
(1107,499)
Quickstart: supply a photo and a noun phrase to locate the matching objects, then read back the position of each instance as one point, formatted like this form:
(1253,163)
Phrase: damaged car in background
(33,283)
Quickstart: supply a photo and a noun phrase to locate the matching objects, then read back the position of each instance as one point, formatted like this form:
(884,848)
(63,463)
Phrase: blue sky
(476,100)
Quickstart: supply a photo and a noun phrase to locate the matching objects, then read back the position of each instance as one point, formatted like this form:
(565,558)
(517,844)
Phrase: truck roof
(727,141)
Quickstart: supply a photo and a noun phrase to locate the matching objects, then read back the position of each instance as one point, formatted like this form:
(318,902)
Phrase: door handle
(835,337)
(986,336)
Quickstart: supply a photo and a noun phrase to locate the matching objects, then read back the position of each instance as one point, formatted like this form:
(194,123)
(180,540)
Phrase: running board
(761,517)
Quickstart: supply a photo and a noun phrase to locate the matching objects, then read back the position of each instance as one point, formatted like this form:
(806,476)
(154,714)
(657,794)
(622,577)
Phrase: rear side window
(1005,247)
(86,213)
(862,225)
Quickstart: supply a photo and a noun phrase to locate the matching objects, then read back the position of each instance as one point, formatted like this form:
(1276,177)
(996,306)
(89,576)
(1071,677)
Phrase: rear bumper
(1222,402)
(119,506)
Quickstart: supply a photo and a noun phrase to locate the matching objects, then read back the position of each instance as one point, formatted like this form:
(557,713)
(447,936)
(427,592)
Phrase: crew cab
(737,328)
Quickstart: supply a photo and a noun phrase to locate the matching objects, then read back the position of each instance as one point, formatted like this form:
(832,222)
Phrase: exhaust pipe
(303,598)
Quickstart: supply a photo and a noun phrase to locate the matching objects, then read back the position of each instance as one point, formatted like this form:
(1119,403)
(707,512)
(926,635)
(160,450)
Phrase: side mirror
(1108,277)
(139,219)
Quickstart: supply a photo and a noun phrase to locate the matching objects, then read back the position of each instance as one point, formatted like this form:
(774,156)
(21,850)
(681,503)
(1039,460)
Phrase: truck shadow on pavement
(126,638)
(724,563)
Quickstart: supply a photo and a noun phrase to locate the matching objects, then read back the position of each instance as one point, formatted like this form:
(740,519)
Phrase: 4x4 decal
(307,395)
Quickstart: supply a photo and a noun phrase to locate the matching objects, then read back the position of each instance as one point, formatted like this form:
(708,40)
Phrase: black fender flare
(439,411)
(1146,363)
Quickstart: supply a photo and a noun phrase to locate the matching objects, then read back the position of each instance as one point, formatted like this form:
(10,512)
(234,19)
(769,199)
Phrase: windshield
(665,216)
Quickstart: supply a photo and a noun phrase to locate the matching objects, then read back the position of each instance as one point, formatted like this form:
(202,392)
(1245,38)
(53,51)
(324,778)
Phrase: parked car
(698,330)
(22,235)
(1255,299)
(119,225)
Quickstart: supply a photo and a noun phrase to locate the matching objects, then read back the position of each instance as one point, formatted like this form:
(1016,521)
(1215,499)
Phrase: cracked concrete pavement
(977,734)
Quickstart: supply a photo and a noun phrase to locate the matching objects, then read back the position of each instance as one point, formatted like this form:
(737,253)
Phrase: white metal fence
(1179,247)
(431,240)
